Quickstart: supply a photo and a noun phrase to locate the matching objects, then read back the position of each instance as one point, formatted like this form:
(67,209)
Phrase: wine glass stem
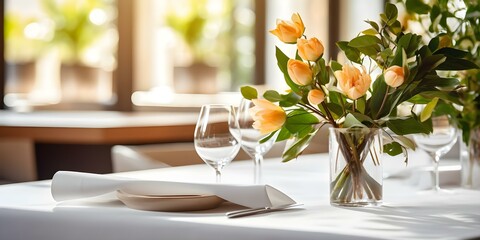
(436,159)
(258,168)
(218,176)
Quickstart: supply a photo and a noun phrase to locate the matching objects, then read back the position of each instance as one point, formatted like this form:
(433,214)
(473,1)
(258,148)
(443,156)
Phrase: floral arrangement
(345,96)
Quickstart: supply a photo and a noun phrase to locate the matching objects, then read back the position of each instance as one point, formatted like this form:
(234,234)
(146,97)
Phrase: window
(155,53)
(59,51)
(199,47)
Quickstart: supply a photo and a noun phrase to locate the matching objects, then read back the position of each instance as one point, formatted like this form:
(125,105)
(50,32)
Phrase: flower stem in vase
(356,152)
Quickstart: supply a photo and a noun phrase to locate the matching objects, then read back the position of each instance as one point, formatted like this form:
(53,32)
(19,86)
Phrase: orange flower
(289,31)
(353,83)
(315,96)
(299,72)
(310,49)
(394,76)
(268,117)
(445,41)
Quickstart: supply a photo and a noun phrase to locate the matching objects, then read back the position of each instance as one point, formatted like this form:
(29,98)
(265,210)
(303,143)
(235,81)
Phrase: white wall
(353,14)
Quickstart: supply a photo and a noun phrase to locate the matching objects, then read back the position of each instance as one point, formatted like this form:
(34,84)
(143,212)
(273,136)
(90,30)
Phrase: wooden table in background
(82,140)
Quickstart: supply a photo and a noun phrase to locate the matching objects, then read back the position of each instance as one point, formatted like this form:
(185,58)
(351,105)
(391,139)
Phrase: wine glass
(437,143)
(251,138)
(217,136)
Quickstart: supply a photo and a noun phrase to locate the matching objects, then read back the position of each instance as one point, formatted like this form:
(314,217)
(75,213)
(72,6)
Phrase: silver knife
(252,211)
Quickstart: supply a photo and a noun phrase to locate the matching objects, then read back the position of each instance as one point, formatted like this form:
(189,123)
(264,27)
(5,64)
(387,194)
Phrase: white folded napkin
(73,185)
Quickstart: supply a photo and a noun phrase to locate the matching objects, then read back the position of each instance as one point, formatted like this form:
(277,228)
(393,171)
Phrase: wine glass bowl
(251,143)
(438,143)
(251,137)
(441,139)
(217,136)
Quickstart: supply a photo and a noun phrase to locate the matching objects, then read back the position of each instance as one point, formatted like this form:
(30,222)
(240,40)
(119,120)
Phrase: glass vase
(355,167)
(470,160)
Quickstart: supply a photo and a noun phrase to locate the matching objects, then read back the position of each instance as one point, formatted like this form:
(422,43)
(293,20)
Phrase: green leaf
(405,141)
(380,88)
(272,96)
(268,137)
(351,53)
(305,131)
(435,23)
(384,18)
(371,51)
(386,53)
(395,27)
(284,134)
(374,25)
(417,6)
(398,58)
(249,92)
(361,103)
(391,13)
(450,96)
(444,108)
(336,104)
(364,41)
(434,81)
(289,99)
(434,43)
(409,125)
(351,121)
(282,60)
(392,149)
(427,111)
(336,66)
(409,42)
(430,63)
(364,119)
(434,13)
(299,119)
(451,52)
(298,146)
(335,109)
(323,73)
(443,19)
(456,64)
(424,51)
(370,31)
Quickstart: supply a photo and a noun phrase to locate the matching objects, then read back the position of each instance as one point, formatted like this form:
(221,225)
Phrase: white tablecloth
(28,211)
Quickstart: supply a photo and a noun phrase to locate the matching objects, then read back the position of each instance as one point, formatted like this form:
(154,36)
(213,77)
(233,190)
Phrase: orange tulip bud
(289,31)
(394,76)
(310,49)
(299,72)
(315,96)
(267,116)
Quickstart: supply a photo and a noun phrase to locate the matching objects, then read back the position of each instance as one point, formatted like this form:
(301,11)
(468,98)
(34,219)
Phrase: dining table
(408,211)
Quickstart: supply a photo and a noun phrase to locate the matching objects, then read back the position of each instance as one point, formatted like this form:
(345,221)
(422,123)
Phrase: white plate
(169,203)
